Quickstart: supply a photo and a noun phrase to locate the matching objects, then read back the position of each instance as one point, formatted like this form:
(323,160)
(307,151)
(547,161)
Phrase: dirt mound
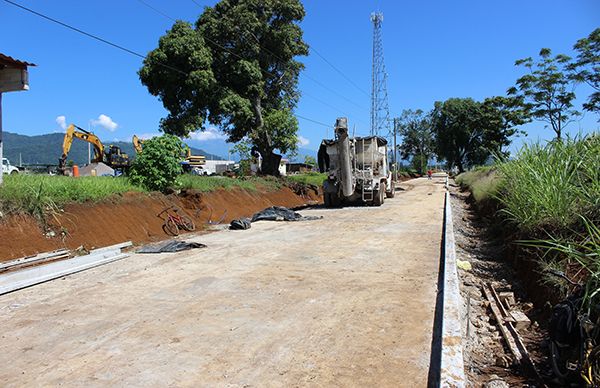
(133,217)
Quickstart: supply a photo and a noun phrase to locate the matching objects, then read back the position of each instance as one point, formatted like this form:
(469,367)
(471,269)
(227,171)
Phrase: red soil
(133,217)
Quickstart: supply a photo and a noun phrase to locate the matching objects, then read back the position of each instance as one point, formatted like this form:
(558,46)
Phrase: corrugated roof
(6,60)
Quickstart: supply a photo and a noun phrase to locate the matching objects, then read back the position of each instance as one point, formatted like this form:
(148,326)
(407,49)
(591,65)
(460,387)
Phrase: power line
(340,72)
(156,10)
(91,35)
(312,121)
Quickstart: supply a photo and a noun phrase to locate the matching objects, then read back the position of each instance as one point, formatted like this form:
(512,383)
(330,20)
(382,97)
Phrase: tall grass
(483,182)
(212,183)
(548,186)
(309,178)
(40,195)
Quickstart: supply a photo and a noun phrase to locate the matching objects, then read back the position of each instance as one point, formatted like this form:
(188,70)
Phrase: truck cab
(7,168)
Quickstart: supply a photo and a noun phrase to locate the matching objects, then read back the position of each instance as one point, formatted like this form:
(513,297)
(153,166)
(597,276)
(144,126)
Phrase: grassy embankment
(550,194)
(39,195)
(309,178)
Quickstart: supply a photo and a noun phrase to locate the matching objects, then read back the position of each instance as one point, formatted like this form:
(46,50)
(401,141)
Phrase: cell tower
(380,111)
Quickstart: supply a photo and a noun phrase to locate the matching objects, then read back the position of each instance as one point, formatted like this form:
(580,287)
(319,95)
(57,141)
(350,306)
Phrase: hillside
(46,149)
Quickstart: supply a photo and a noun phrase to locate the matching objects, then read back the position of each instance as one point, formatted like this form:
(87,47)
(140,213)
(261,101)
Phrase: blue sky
(434,50)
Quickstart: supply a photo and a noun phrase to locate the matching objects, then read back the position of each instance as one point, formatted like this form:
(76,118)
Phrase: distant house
(299,168)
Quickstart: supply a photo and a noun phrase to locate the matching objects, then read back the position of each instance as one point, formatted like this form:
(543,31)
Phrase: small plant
(159,164)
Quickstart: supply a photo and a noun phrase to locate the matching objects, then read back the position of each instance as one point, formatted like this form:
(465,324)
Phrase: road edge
(452,373)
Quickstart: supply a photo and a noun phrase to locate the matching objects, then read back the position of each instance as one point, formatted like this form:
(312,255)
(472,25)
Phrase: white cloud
(146,136)
(302,141)
(105,122)
(210,133)
(62,121)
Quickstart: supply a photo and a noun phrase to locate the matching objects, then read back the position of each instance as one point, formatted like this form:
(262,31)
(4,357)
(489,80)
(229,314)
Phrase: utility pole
(395,149)
(1,168)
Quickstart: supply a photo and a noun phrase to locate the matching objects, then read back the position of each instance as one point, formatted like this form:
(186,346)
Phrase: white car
(7,168)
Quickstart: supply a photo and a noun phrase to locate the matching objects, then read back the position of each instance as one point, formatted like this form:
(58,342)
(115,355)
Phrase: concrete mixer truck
(357,168)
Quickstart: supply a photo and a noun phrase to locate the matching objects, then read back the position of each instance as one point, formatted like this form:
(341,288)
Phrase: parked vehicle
(357,168)
(7,168)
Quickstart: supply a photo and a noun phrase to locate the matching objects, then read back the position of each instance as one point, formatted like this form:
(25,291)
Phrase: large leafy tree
(237,70)
(468,132)
(587,67)
(547,89)
(417,138)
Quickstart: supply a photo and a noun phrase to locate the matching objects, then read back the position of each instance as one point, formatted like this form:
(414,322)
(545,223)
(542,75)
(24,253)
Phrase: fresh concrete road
(347,300)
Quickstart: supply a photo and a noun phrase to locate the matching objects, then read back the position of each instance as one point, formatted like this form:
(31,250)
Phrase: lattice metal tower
(380,112)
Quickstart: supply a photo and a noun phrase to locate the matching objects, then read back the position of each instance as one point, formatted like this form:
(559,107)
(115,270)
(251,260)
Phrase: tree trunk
(270,163)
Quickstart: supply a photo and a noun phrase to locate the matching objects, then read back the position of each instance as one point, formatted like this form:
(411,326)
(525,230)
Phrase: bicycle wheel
(170,227)
(187,223)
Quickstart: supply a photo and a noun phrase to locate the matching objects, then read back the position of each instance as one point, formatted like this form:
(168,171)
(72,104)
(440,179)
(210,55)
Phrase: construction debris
(34,260)
(17,280)
(240,224)
(505,322)
(170,246)
(280,213)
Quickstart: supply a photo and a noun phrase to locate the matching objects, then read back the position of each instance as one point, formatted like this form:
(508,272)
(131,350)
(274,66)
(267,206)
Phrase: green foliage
(547,90)
(310,160)
(483,182)
(546,187)
(39,194)
(587,67)
(159,164)
(309,178)
(468,133)
(417,138)
(212,183)
(237,72)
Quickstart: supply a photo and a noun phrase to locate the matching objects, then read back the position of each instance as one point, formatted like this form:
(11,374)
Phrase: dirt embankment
(134,217)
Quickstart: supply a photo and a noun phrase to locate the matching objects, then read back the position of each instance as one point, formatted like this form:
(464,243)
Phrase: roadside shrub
(159,163)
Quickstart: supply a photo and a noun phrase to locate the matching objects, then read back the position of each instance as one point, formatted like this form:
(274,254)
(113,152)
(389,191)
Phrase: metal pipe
(341,131)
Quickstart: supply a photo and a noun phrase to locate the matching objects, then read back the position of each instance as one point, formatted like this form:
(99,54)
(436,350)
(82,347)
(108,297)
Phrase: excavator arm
(74,131)
(137,144)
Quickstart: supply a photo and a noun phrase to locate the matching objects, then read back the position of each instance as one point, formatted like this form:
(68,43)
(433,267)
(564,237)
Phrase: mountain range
(47,149)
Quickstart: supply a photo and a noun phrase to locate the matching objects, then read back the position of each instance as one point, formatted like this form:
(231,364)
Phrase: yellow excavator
(113,157)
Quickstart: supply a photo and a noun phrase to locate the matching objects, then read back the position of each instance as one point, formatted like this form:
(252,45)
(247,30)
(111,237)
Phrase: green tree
(587,67)
(159,163)
(468,132)
(236,70)
(417,138)
(547,90)
(310,160)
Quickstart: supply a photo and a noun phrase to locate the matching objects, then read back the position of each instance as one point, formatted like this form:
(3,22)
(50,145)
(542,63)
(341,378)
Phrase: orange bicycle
(174,222)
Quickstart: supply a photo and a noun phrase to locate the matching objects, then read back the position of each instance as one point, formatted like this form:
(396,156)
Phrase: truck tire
(392,192)
(331,200)
(327,199)
(378,197)
(13,172)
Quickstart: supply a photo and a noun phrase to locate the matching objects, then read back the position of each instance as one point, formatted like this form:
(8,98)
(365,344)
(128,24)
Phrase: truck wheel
(13,172)
(327,199)
(378,196)
(390,194)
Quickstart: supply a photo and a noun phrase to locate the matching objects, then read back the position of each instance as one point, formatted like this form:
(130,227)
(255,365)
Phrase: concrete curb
(452,372)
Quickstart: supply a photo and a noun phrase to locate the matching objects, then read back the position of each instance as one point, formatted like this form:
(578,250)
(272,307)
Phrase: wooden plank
(32,259)
(501,325)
